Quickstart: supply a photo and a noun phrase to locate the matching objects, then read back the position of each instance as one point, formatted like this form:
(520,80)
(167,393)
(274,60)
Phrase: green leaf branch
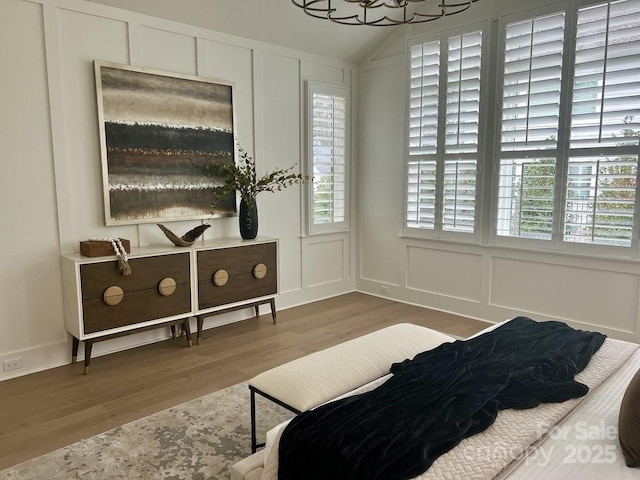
(243,177)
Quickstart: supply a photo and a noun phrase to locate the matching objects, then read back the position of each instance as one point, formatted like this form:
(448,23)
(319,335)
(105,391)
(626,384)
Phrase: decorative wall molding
(75,33)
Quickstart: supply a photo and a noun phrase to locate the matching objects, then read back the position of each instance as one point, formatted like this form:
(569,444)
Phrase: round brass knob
(260,271)
(113,295)
(167,286)
(220,278)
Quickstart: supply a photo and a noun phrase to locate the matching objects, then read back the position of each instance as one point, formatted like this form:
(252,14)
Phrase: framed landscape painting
(157,131)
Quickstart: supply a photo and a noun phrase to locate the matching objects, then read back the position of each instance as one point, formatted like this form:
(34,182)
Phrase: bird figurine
(188,238)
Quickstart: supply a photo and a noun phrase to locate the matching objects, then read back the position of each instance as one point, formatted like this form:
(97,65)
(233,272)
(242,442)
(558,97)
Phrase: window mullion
(421,90)
(604,71)
(520,200)
(564,122)
(528,115)
(594,208)
(440,143)
(460,86)
(636,213)
(334,135)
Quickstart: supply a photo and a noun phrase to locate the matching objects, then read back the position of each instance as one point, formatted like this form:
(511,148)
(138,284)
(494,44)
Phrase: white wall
(51,186)
(479,281)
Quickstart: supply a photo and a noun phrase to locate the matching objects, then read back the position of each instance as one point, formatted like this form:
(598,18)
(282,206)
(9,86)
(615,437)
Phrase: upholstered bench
(315,379)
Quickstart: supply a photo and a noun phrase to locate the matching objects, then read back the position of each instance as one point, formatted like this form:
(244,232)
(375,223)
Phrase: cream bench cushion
(315,379)
(321,376)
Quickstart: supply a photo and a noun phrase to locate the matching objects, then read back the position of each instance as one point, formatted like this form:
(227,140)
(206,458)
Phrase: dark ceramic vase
(248,219)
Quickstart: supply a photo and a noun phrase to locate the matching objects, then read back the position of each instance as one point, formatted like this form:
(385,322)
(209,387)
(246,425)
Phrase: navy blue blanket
(434,401)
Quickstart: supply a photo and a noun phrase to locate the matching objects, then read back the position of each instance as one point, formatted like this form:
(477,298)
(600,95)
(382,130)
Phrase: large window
(566,130)
(572,181)
(444,136)
(604,130)
(327,140)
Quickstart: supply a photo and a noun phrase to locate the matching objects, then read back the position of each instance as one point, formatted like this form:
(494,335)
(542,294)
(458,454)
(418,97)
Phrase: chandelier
(381,12)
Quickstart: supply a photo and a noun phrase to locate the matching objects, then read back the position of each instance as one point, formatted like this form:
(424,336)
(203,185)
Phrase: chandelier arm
(330,10)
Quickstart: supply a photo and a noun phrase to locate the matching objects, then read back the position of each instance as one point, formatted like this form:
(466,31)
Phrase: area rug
(197,440)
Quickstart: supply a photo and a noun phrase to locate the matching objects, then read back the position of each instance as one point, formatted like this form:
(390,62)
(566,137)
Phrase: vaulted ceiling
(277,22)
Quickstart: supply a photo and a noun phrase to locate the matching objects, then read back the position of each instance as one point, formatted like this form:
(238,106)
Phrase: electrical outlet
(384,290)
(13,364)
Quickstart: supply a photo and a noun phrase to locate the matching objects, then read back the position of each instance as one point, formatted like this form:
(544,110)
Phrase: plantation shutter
(328,113)
(424,86)
(463,93)
(424,73)
(421,194)
(604,132)
(462,132)
(606,86)
(532,82)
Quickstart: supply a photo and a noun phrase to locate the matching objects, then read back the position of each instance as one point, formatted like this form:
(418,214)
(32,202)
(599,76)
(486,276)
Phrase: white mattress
(585,445)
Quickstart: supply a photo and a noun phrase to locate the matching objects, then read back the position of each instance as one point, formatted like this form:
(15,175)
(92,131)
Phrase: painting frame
(158,133)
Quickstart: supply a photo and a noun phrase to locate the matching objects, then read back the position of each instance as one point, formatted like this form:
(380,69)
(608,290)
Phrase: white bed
(574,439)
(584,446)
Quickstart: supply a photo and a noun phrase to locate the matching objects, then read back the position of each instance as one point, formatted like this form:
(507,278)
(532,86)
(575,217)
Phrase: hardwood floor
(45,411)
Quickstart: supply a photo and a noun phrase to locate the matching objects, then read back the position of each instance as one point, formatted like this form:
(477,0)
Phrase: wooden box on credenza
(99,248)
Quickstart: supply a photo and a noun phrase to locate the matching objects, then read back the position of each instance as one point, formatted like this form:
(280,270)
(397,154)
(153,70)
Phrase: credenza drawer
(234,274)
(158,287)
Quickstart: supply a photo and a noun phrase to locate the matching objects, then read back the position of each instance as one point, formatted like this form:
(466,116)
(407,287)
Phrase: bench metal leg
(254,434)
(254,437)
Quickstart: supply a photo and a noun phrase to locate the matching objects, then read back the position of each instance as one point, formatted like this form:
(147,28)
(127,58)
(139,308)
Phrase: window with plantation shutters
(443,133)
(327,157)
(555,111)
(589,161)
(604,131)
(531,89)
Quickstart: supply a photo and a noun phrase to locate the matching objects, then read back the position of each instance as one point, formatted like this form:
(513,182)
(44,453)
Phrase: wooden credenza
(166,287)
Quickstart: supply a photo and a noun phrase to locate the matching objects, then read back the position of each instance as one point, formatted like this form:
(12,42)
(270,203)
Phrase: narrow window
(444,133)
(328,143)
